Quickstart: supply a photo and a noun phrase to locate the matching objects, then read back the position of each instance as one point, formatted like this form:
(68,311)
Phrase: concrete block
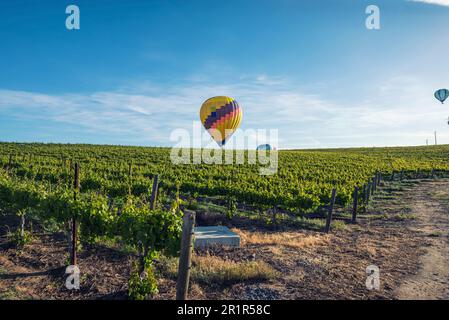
(216,235)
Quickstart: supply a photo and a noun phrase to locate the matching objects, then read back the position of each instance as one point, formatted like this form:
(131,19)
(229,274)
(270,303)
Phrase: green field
(113,202)
(303,182)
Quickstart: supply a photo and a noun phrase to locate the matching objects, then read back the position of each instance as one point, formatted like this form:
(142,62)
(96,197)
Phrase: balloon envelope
(442,95)
(221,116)
(264,147)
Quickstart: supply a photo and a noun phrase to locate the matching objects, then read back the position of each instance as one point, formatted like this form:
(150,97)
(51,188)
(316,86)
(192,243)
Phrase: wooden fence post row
(368,192)
(76,186)
(365,190)
(130,170)
(185,258)
(331,209)
(355,204)
(154,191)
(10,161)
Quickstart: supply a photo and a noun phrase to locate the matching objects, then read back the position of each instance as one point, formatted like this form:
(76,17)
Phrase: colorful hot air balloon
(221,116)
(442,95)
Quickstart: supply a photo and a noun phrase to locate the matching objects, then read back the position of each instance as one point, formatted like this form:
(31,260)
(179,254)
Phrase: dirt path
(405,233)
(432,279)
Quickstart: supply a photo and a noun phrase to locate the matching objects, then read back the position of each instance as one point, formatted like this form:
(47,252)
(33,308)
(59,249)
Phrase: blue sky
(137,70)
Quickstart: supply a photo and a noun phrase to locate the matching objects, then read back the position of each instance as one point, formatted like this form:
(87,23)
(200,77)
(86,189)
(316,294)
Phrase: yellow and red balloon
(221,116)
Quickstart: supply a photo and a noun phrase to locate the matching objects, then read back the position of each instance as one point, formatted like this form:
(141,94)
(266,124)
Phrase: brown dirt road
(432,279)
(405,233)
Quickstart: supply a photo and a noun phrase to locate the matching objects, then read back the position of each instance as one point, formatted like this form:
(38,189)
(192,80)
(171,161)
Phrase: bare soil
(432,279)
(404,232)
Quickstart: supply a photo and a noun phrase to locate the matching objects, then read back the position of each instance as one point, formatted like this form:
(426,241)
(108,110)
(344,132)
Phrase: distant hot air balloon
(442,95)
(264,147)
(221,116)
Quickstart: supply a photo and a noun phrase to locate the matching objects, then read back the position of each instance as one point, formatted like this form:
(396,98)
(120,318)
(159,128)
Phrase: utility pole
(427,142)
(435,137)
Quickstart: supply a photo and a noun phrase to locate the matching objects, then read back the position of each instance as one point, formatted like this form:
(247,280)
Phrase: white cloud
(400,111)
(436,2)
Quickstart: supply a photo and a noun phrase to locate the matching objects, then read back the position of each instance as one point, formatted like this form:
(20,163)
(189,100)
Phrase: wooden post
(355,204)
(330,211)
(185,258)
(10,161)
(154,191)
(368,193)
(373,185)
(432,173)
(365,194)
(392,176)
(76,186)
(379,178)
(274,216)
(130,176)
(402,175)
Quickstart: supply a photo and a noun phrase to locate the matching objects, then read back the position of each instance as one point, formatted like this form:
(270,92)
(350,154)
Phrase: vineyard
(135,196)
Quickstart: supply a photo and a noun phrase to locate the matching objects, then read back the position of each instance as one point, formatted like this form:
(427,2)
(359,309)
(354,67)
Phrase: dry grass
(213,269)
(287,239)
(369,248)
